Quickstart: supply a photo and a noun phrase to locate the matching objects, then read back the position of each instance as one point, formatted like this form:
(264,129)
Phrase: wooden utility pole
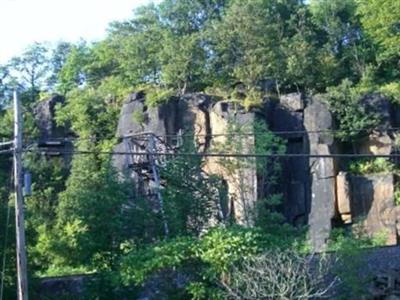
(22,280)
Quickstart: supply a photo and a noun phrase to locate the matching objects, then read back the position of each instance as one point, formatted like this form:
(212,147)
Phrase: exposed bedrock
(381,141)
(317,121)
(53,139)
(241,181)
(373,205)
(287,116)
(367,202)
(44,114)
(315,192)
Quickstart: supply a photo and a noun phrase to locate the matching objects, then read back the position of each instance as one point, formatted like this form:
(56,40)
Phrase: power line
(227,155)
(6,144)
(279,132)
(6,151)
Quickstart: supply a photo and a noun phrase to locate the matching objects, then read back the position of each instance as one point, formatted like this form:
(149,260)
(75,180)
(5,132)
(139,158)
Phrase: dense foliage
(82,218)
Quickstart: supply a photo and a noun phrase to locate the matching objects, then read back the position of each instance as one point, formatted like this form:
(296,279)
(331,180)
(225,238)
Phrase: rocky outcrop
(318,119)
(242,179)
(314,192)
(372,205)
(379,141)
(287,117)
(293,102)
(70,287)
(44,114)
(137,117)
(191,115)
(53,139)
(343,197)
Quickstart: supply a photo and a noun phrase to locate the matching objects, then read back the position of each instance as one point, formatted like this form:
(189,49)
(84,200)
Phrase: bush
(138,117)
(371,166)
(349,249)
(208,261)
(352,118)
(278,275)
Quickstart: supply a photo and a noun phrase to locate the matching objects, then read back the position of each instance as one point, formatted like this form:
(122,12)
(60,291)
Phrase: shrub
(208,261)
(371,166)
(279,275)
(138,117)
(352,118)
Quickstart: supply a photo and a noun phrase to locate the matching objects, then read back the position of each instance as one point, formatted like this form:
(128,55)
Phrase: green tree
(72,73)
(136,46)
(4,88)
(58,58)
(344,50)
(353,119)
(192,198)
(89,225)
(380,19)
(32,69)
(251,43)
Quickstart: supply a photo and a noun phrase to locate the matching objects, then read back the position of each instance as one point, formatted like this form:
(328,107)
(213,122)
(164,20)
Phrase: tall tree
(248,43)
(32,68)
(343,48)
(381,21)
(57,60)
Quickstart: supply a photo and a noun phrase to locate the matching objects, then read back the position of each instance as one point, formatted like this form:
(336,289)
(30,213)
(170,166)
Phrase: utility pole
(22,280)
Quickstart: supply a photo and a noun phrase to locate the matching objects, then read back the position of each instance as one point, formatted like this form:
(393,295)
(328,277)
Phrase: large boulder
(377,143)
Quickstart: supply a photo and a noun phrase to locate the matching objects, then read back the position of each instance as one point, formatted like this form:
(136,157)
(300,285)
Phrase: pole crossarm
(3,144)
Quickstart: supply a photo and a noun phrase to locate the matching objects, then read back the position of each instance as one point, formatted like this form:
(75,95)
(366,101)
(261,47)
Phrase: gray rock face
(137,117)
(288,116)
(322,172)
(71,287)
(313,193)
(293,102)
(44,114)
(379,141)
(52,138)
(372,205)
(378,104)
(242,181)
(191,114)
(343,197)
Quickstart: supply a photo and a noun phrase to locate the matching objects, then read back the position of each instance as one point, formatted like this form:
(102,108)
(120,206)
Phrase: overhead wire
(205,154)
(6,143)
(278,132)
(227,155)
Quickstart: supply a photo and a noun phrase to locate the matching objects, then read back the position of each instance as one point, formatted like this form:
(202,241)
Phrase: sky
(23,22)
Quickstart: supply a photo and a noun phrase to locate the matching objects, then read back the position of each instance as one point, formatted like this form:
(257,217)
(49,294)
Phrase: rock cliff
(317,190)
